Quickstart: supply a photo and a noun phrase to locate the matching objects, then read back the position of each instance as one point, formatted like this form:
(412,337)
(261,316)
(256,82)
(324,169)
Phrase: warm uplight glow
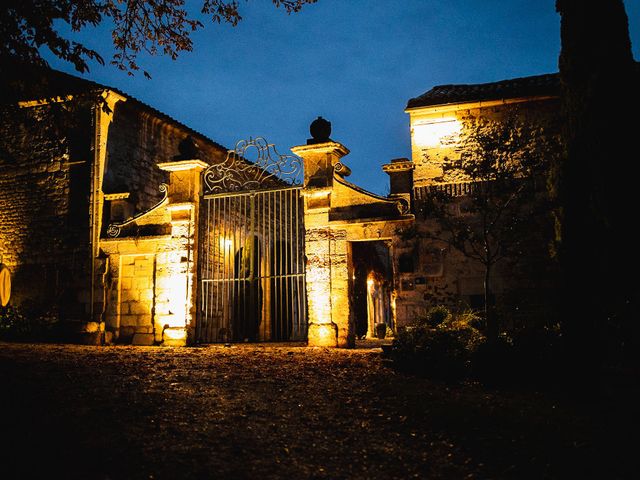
(322,335)
(318,193)
(226,243)
(325,331)
(319,294)
(177,288)
(175,333)
(437,133)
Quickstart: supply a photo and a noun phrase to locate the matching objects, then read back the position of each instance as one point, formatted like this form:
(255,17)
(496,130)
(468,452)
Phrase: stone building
(137,229)
(373,260)
(106,160)
(442,119)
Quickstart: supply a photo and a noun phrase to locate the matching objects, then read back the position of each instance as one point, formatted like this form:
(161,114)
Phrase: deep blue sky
(354,62)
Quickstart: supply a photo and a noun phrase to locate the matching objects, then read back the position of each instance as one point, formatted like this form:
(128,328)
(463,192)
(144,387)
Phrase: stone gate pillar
(176,269)
(326,248)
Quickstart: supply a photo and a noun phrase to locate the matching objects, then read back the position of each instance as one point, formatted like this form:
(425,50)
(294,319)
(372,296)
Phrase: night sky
(354,62)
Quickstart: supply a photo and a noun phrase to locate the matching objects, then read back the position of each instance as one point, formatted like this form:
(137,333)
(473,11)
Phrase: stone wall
(439,274)
(44,209)
(338,213)
(137,141)
(438,133)
(51,220)
(149,290)
(150,284)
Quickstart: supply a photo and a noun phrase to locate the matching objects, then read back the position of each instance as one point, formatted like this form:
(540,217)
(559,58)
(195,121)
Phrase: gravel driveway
(254,411)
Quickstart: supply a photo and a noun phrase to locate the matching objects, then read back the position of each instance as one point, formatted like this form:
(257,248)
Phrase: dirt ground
(266,412)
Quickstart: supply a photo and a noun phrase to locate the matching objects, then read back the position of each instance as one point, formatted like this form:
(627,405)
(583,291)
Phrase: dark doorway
(248,301)
(372,281)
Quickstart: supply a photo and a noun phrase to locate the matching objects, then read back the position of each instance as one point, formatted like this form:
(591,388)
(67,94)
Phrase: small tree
(488,217)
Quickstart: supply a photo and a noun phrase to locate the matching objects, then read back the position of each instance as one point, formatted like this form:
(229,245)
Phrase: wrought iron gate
(252,255)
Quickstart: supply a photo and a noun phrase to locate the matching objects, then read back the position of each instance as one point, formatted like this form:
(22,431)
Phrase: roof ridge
(146,106)
(508,80)
(533,85)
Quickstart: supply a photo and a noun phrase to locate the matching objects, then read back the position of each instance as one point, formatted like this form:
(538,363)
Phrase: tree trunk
(592,183)
(489,312)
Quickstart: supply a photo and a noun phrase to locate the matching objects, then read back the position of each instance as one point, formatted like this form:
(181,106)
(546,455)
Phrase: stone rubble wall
(44,212)
(436,164)
(458,283)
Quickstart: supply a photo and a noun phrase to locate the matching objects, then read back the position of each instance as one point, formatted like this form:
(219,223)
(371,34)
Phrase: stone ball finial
(320,130)
(188,149)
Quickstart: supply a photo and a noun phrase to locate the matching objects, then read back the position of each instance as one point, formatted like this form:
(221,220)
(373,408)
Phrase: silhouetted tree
(592,182)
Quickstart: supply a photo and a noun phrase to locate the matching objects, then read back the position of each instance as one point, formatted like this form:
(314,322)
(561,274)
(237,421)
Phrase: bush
(493,362)
(27,322)
(437,316)
(529,355)
(439,345)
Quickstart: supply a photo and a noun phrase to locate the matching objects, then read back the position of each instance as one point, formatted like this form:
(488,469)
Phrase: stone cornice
(327,147)
(181,165)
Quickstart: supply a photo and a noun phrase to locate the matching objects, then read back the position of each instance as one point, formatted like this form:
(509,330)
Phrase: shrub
(437,316)
(27,322)
(529,355)
(439,345)
(493,362)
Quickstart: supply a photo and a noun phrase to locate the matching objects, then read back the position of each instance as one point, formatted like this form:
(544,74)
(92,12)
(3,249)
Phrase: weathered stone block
(323,335)
(141,283)
(128,320)
(146,296)
(174,337)
(129,295)
(145,339)
(127,271)
(125,333)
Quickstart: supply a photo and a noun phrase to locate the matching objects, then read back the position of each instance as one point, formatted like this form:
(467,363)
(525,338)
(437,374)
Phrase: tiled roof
(538,85)
(60,84)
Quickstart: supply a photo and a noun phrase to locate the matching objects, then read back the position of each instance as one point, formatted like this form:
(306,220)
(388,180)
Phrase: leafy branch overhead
(137,26)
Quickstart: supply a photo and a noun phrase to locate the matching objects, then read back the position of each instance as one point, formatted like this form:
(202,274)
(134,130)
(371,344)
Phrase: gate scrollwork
(270,169)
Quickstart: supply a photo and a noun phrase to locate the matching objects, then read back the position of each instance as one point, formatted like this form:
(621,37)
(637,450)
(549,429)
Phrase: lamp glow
(436,134)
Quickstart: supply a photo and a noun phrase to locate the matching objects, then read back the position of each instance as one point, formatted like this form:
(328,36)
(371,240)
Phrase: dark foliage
(591,182)
(503,162)
(149,26)
(531,356)
(450,347)
(29,27)
(30,321)
(439,345)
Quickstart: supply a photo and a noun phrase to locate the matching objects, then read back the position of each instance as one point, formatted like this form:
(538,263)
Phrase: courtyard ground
(255,411)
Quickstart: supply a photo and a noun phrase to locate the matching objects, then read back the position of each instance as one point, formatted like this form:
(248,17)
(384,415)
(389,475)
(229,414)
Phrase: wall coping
(326,147)
(181,165)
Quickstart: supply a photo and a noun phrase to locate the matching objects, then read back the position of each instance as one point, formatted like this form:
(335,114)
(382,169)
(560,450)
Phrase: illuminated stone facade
(338,214)
(88,231)
(438,273)
(342,219)
(59,197)
(150,279)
